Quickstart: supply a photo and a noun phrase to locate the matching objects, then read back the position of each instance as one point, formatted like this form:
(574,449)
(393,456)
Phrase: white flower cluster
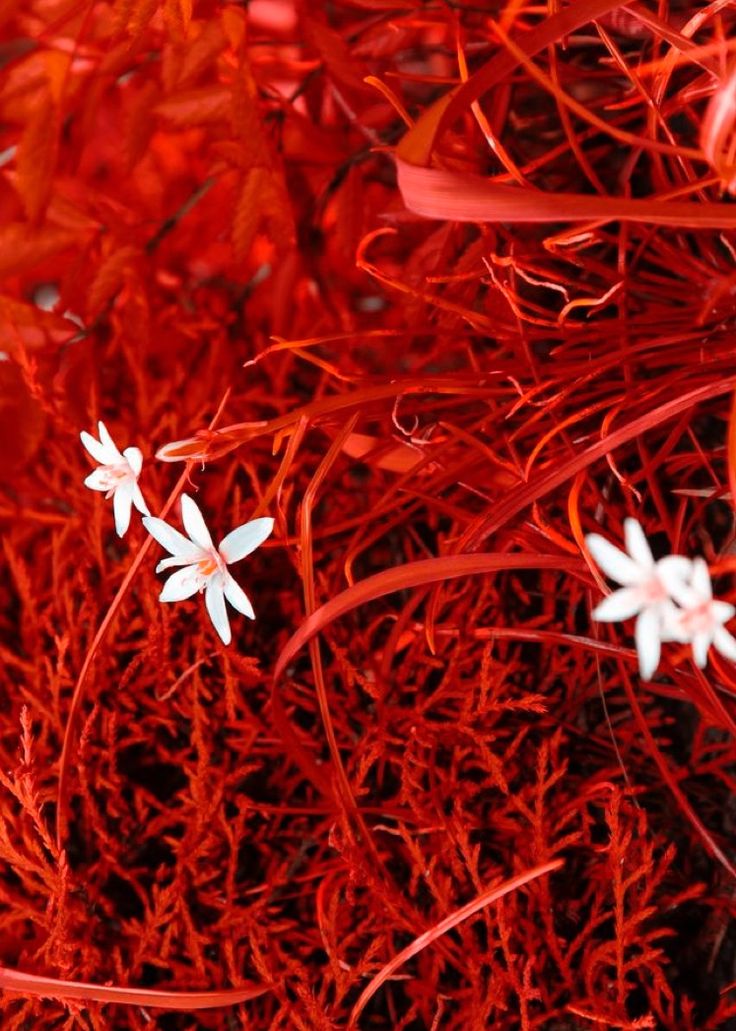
(672,599)
(204,565)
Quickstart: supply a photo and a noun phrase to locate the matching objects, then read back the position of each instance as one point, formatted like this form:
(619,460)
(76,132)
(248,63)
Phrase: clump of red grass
(423,789)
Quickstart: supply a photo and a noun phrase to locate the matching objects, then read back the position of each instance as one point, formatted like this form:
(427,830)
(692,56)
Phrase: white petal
(214,599)
(613,562)
(113,455)
(701,579)
(134,458)
(181,584)
(238,598)
(637,544)
(121,502)
(722,611)
(194,524)
(94,447)
(97,479)
(725,643)
(138,500)
(244,539)
(701,644)
(670,624)
(674,571)
(619,605)
(648,642)
(683,593)
(171,561)
(174,542)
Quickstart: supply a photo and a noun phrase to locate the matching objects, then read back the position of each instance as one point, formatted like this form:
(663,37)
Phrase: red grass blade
(55,988)
(415,574)
(464,913)
(462,197)
(417,145)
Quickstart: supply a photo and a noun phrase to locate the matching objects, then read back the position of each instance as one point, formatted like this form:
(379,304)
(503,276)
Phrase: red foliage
(442,288)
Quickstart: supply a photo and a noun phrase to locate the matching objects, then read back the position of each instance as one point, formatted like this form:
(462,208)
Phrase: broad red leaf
(36,159)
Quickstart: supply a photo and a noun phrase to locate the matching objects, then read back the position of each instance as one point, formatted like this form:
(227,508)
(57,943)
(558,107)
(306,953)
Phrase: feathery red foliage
(442,287)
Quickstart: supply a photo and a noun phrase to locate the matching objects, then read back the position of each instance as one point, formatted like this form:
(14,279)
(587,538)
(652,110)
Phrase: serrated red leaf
(262,200)
(21,421)
(196,107)
(177,16)
(200,53)
(249,210)
(333,50)
(22,247)
(28,326)
(140,122)
(109,278)
(36,159)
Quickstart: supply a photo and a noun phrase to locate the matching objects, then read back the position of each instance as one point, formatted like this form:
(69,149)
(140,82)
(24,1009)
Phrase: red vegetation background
(437,382)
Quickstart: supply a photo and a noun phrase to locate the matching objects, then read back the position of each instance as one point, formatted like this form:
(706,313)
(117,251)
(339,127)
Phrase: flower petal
(134,457)
(648,645)
(214,599)
(670,623)
(237,597)
(701,644)
(194,524)
(111,451)
(673,571)
(681,592)
(138,500)
(244,539)
(612,561)
(620,605)
(701,579)
(725,643)
(97,479)
(172,561)
(722,611)
(121,501)
(181,584)
(637,545)
(95,449)
(174,542)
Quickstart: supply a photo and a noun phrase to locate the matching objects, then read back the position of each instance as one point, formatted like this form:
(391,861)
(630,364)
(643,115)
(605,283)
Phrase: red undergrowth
(442,287)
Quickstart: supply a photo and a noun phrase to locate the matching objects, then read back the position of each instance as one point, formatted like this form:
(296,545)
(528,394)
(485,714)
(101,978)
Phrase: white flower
(205,567)
(117,475)
(647,591)
(700,619)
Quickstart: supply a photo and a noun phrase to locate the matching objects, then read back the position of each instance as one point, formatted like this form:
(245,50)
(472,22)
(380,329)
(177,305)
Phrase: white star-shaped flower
(647,591)
(117,475)
(205,566)
(699,620)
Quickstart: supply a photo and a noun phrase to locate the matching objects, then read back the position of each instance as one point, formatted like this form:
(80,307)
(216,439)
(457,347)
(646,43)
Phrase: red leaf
(36,159)
(195,107)
(109,278)
(336,55)
(22,247)
(261,200)
(21,420)
(30,327)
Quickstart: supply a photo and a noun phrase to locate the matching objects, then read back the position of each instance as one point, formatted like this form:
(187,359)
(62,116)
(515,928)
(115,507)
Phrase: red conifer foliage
(442,287)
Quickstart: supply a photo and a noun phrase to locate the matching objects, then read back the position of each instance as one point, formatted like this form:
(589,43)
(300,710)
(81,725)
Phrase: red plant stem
(344,792)
(69,729)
